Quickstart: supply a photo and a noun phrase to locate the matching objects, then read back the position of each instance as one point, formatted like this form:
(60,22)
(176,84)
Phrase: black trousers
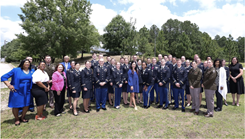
(219,99)
(59,101)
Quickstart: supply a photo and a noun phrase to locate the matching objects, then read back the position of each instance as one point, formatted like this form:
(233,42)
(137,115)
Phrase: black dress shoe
(218,109)
(156,103)
(104,109)
(165,107)
(148,106)
(159,106)
(97,110)
(174,108)
(183,110)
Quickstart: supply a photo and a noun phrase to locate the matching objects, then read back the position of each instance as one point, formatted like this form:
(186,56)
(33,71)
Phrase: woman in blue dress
(133,83)
(20,89)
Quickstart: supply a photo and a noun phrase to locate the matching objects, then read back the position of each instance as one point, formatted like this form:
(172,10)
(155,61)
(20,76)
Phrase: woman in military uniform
(112,67)
(87,85)
(75,80)
(148,84)
(210,87)
(194,78)
(117,85)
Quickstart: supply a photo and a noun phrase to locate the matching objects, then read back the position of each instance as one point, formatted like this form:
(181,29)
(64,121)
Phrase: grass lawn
(128,123)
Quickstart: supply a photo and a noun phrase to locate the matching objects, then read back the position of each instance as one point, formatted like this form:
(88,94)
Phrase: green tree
(115,32)
(57,27)
(182,46)
(231,48)
(240,45)
(143,43)
(162,44)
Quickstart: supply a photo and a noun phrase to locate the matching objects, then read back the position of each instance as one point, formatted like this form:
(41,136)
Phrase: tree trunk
(82,55)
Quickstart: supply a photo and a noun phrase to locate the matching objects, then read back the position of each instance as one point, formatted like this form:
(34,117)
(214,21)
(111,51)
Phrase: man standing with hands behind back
(49,68)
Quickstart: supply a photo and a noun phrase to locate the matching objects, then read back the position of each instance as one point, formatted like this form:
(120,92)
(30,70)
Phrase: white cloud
(8,29)
(18,3)
(230,19)
(183,1)
(101,16)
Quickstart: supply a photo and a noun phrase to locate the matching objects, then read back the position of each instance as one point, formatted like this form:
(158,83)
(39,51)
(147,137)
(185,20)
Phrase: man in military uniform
(163,76)
(148,63)
(159,59)
(179,77)
(94,62)
(200,66)
(210,87)
(101,76)
(69,89)
(183,61)
(154,67)
(50,68)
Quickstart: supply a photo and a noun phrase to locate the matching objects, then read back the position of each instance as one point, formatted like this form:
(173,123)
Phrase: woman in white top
(39,89)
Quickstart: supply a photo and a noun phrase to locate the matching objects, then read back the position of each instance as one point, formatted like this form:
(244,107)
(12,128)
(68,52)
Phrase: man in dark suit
(159,59)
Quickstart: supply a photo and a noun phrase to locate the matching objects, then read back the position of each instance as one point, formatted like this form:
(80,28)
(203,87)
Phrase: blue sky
(221,17)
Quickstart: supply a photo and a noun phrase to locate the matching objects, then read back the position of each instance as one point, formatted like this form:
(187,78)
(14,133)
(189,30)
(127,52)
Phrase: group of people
(171,79)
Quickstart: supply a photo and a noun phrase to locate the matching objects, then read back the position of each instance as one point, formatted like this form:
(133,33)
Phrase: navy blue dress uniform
(68,76)
(125,77)
(140,79)
(163,76)
(94,63)
(154,69)
(187,88)
(179,76)
(75,82)
(87,77)
(110,88)
(149,83)
(183,64)
(101,74)
(117,76)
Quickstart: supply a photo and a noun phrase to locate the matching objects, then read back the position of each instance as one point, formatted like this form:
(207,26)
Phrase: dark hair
(148,58)
(132,67)
(208,56)
(143,62)
(94,54)
(76,63)
(41,62)
(58,66)
(22,64)
(86,62)
(121,58)
(216,61)
(231,61)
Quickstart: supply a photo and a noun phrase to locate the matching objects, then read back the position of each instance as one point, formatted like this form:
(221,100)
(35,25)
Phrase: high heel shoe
(17,124)
(86,111)
(24,120)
